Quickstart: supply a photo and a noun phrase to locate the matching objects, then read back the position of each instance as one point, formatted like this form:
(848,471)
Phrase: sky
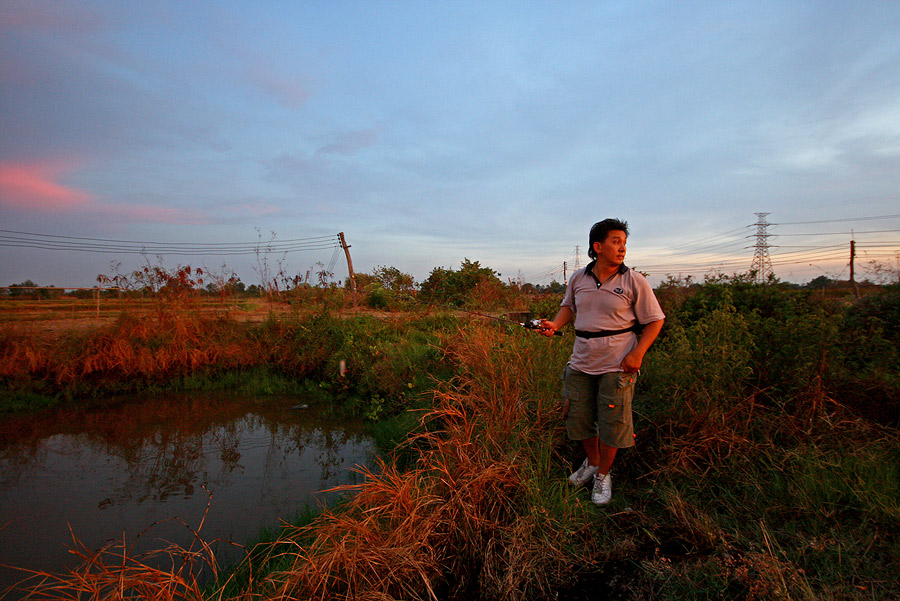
(211,133)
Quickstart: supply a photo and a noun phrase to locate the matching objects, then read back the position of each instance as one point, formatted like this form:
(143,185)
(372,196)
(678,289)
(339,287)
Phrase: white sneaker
(602,493)
(583,474)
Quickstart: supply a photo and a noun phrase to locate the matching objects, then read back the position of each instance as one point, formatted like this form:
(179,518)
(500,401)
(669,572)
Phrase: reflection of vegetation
(173,446)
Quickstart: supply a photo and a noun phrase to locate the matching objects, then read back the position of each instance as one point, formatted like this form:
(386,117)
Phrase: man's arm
(632,361)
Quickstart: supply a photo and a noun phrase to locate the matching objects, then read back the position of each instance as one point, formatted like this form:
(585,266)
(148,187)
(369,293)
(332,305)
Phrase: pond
(150,470)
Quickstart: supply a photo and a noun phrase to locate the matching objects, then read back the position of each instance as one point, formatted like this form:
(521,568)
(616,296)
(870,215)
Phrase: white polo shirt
(619,303)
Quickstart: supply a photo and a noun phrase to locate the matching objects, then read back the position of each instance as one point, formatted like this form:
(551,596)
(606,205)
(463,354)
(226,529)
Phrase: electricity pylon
(762,264)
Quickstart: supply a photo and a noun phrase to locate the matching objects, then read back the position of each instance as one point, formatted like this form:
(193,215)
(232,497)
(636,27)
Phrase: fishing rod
(530,324)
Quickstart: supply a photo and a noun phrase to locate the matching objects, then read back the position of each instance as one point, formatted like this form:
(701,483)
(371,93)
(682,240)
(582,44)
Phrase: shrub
(471,285)
(704,367)
(866,370)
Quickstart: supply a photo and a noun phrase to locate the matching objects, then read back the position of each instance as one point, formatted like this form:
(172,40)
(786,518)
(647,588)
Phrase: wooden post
(852,276)
(349,266)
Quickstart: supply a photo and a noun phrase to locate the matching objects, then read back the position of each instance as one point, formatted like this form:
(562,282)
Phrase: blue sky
(430,132)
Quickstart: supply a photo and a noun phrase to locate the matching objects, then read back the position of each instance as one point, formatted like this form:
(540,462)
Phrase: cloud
(289,93)
(34,186)
(250,208)
(150,214)
(49,18)
(351,142)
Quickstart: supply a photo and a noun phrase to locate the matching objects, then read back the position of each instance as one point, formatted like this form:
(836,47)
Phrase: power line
(854,232)
(146,242)
(709,238)
(734,245)
(547,273)
(10,238)
(802,255)
(706,253)
(807,246)
(839,220)
(334,259)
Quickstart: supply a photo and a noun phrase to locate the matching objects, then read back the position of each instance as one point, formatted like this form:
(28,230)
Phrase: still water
(113,473)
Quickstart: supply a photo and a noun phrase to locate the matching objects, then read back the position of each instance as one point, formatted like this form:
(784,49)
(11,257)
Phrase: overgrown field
(767,463)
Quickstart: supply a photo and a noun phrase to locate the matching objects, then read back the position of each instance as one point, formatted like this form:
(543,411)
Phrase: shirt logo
(618,290)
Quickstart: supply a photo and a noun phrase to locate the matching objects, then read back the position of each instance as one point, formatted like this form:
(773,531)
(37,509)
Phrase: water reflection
(111,473)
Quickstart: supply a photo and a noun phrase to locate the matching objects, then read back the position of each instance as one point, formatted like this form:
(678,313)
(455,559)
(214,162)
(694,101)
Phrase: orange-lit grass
(21,354)
(151,348)
(156,347)
(439,528)
(159,347)
(117,572)
(459,524)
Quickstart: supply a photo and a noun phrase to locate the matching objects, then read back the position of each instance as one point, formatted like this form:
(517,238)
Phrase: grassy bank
(386,360)
(751,478)
(766,464)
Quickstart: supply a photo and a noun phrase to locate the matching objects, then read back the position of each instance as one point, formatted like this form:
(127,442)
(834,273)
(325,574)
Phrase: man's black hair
(601,229)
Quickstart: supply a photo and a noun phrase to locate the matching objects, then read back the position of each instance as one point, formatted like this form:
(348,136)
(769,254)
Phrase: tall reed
(118,571)
(460,523)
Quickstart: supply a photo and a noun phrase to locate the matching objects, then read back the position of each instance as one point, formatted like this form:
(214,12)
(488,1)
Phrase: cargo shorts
(599,405)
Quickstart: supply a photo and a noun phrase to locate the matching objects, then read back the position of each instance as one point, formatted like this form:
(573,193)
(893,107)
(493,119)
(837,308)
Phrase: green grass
(760,472)
(260,561)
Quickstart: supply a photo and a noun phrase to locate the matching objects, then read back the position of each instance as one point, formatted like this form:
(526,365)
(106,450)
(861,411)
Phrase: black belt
(604,333)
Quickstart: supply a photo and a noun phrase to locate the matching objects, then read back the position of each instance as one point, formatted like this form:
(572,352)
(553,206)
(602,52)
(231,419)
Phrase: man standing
(617,318)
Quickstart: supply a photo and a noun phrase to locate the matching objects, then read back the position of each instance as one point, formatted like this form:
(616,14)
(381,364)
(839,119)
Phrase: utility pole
(852,257)
(761,264)
(897,260)
(349,266)
(565,279)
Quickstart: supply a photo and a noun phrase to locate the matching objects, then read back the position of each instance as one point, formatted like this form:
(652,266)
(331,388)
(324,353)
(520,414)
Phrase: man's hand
(632,361)
(548,328)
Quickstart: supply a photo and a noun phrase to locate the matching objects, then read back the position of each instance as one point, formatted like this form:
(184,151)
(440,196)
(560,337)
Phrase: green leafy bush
(703,367)
(471,285)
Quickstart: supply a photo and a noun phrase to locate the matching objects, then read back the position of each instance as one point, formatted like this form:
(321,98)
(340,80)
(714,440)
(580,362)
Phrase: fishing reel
(537,324)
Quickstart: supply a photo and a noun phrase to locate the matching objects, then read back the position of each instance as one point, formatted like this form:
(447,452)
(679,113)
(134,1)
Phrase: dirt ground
(53,317)
(57,316)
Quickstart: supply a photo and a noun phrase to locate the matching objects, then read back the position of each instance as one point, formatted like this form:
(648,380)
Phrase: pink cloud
(35,186)
(151,214)
(290,93)
(254,209)
(50,18)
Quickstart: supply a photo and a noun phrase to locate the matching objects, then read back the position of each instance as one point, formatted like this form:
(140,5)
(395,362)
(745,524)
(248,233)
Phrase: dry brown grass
(709,436)
(23,354)
(118,572)
(441,528)
(458,524)
(152,347)
(150,342)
